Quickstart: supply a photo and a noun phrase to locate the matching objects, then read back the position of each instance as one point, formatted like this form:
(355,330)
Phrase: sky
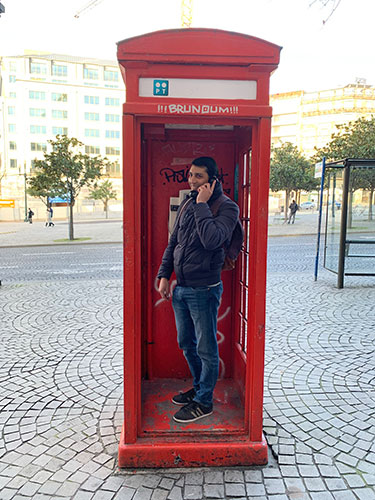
(315,55)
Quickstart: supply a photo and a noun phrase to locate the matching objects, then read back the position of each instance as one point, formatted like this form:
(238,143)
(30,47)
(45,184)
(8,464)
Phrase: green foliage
(65,170)
(290,170)
(40,187)
(353,140)
(103,192)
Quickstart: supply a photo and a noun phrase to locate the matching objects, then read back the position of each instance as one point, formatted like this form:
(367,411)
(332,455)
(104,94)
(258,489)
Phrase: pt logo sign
(161,87)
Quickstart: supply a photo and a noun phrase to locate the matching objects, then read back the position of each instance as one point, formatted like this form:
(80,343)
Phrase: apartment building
(42,95)
(308,119)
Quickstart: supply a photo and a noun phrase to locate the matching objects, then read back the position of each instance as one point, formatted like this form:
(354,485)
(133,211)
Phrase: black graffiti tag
(182,175)
(178,176)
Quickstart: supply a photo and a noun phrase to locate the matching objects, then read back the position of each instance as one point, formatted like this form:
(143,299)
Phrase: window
(112,101)
(35,94)
(11,110)
(38,146)
(59,97)
(12,127)
(91,132)
(12,78)
(37,112)
(12,95)
(110,75)
(38,68)
(92,116)
(59,70)
(91,99)
(59,113)
(112,151)
(13,163)
(59,130)
(92,150)
(113,170)
(12,67)
(112,118)
(91,73)
(12,145)
(112,134)
(38,129)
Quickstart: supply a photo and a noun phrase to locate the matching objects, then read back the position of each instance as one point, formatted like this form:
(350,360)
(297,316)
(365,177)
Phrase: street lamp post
(25,181)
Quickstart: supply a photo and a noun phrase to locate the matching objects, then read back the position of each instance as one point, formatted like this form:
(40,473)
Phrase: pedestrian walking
(195,252)
(30,214)
(293,207)
(49,222)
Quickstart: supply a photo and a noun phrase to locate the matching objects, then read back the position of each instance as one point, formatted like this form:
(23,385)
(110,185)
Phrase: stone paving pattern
(61,386)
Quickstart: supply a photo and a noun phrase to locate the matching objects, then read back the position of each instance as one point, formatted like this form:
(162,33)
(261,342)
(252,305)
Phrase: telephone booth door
(159,146)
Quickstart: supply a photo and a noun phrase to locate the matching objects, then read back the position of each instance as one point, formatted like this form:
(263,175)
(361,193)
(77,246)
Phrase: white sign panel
(200,88)
(318,169)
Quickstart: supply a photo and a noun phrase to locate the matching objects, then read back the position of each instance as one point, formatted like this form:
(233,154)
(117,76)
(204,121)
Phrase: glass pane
(360,236)
(333,218)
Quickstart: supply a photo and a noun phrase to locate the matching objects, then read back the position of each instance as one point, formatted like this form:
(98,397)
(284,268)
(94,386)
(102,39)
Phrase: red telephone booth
(190,93)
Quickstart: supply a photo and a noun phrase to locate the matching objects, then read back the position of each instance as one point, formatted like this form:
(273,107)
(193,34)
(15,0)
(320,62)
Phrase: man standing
(195,252)
(293,207)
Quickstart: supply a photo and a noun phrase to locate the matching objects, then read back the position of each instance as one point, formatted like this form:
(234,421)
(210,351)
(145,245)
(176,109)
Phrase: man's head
(202,170)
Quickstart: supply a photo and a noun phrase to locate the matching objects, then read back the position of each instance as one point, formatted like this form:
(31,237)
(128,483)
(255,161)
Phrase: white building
(42,95)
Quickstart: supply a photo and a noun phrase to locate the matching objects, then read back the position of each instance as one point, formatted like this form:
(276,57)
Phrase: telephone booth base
(217,440)
(147,452)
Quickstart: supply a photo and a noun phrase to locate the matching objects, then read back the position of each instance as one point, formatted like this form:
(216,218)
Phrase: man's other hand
(164,289)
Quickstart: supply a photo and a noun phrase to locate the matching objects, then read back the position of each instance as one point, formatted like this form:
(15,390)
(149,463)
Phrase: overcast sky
(314,56)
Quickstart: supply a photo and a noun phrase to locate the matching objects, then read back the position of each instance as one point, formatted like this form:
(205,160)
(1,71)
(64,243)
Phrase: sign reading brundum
(197,109)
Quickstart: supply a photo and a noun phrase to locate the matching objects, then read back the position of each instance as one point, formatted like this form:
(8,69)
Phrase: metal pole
(334,195)
(25,180)
(344,220)
(320,218)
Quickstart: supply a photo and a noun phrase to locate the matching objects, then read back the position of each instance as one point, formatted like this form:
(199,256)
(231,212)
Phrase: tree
(39,187)
(103,192)
(354,140)
(290,171)
(64,171)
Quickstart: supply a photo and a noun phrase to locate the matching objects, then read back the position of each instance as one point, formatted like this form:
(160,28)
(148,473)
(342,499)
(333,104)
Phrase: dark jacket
(293,207)
(195,249)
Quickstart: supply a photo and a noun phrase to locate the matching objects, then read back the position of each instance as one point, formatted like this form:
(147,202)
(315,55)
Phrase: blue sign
(161,87)
(57,199)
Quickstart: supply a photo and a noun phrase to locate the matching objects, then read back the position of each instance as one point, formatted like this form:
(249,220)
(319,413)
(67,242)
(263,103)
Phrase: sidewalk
(110,231)
(92,231)
(61,393)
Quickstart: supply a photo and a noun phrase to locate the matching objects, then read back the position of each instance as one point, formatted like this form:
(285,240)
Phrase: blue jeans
(196,312)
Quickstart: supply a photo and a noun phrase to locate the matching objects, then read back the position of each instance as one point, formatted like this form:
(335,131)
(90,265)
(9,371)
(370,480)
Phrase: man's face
(197,177)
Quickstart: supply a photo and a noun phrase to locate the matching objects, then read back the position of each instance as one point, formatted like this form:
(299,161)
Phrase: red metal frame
(199,54)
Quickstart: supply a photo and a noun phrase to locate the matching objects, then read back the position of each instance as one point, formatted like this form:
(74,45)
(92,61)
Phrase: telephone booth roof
(197,45)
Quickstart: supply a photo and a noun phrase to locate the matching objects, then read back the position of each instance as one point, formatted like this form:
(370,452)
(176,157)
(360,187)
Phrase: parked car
(307,205)
(337,204)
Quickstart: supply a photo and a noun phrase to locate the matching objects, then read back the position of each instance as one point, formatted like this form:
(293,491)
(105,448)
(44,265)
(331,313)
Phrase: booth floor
(158,409)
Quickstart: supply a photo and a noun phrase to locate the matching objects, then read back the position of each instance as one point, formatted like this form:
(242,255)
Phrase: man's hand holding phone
(205,192)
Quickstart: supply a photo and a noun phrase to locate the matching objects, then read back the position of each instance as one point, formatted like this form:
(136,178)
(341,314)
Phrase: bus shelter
(349,248)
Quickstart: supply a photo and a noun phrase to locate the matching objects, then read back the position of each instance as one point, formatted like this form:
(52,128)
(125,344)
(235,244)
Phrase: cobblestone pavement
(61,385)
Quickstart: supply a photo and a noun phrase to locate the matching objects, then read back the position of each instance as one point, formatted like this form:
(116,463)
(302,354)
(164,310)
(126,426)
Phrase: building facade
(42,95)
(308,119)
